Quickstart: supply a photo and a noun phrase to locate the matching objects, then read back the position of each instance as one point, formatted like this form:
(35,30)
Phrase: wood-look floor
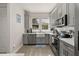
(36,50)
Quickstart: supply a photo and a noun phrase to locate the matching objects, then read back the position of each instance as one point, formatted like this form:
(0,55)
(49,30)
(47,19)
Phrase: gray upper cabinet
(69,9)
(53,17)
(71,14)
(64,9)
(59,10)
(50,20)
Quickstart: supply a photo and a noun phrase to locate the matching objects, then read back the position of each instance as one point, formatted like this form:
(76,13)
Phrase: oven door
(56,45)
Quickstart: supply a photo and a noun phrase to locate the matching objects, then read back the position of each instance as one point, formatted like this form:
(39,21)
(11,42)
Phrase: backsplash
(65,28)
(68,28)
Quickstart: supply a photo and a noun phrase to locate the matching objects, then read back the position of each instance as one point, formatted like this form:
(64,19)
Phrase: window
(35,23)
(45,24)
(42,24)
(35,26)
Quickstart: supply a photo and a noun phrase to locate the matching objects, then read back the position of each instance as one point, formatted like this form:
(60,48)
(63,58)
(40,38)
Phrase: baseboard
(17,48)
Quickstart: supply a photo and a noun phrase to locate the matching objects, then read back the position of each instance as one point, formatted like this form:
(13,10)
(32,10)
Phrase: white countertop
(68,40)
(39,33)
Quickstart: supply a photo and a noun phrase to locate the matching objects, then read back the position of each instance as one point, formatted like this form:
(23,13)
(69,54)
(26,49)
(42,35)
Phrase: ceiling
(38,7)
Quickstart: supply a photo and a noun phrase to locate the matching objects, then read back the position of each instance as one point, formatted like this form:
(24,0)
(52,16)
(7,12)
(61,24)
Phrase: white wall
(16,29)
(4,29)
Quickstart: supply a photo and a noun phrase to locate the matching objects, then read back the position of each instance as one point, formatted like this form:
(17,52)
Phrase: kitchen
(60,25)
(43,29)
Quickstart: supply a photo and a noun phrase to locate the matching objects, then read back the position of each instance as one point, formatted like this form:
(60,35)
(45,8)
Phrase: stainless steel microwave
(62,21)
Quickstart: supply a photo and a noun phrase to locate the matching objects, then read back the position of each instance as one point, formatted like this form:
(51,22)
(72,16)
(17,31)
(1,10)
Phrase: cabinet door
(54,16)
(61,49)
(51,20)
(66,49)
(71,14)
(31,39)
(67,52)
(64,9)
(38,40)
(43,40)
(59,12)
(34,38)
(50,40)
(46,38)
(25,39)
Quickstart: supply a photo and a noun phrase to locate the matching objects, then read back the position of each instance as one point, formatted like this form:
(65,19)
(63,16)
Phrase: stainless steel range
(55,42)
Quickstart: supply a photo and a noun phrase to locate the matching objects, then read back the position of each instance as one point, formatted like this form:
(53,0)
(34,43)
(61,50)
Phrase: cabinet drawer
(67,49)
(67,52)
(40,40)
(68,46)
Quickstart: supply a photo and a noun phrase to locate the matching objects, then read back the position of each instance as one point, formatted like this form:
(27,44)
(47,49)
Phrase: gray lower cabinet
(34,39)
(47,37)
(31,38)
(42,39)
(25,38)
(66,49)
(50,40)
(61,49)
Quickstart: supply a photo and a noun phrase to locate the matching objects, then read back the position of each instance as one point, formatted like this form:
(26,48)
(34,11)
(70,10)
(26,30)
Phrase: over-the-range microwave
(62,21)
